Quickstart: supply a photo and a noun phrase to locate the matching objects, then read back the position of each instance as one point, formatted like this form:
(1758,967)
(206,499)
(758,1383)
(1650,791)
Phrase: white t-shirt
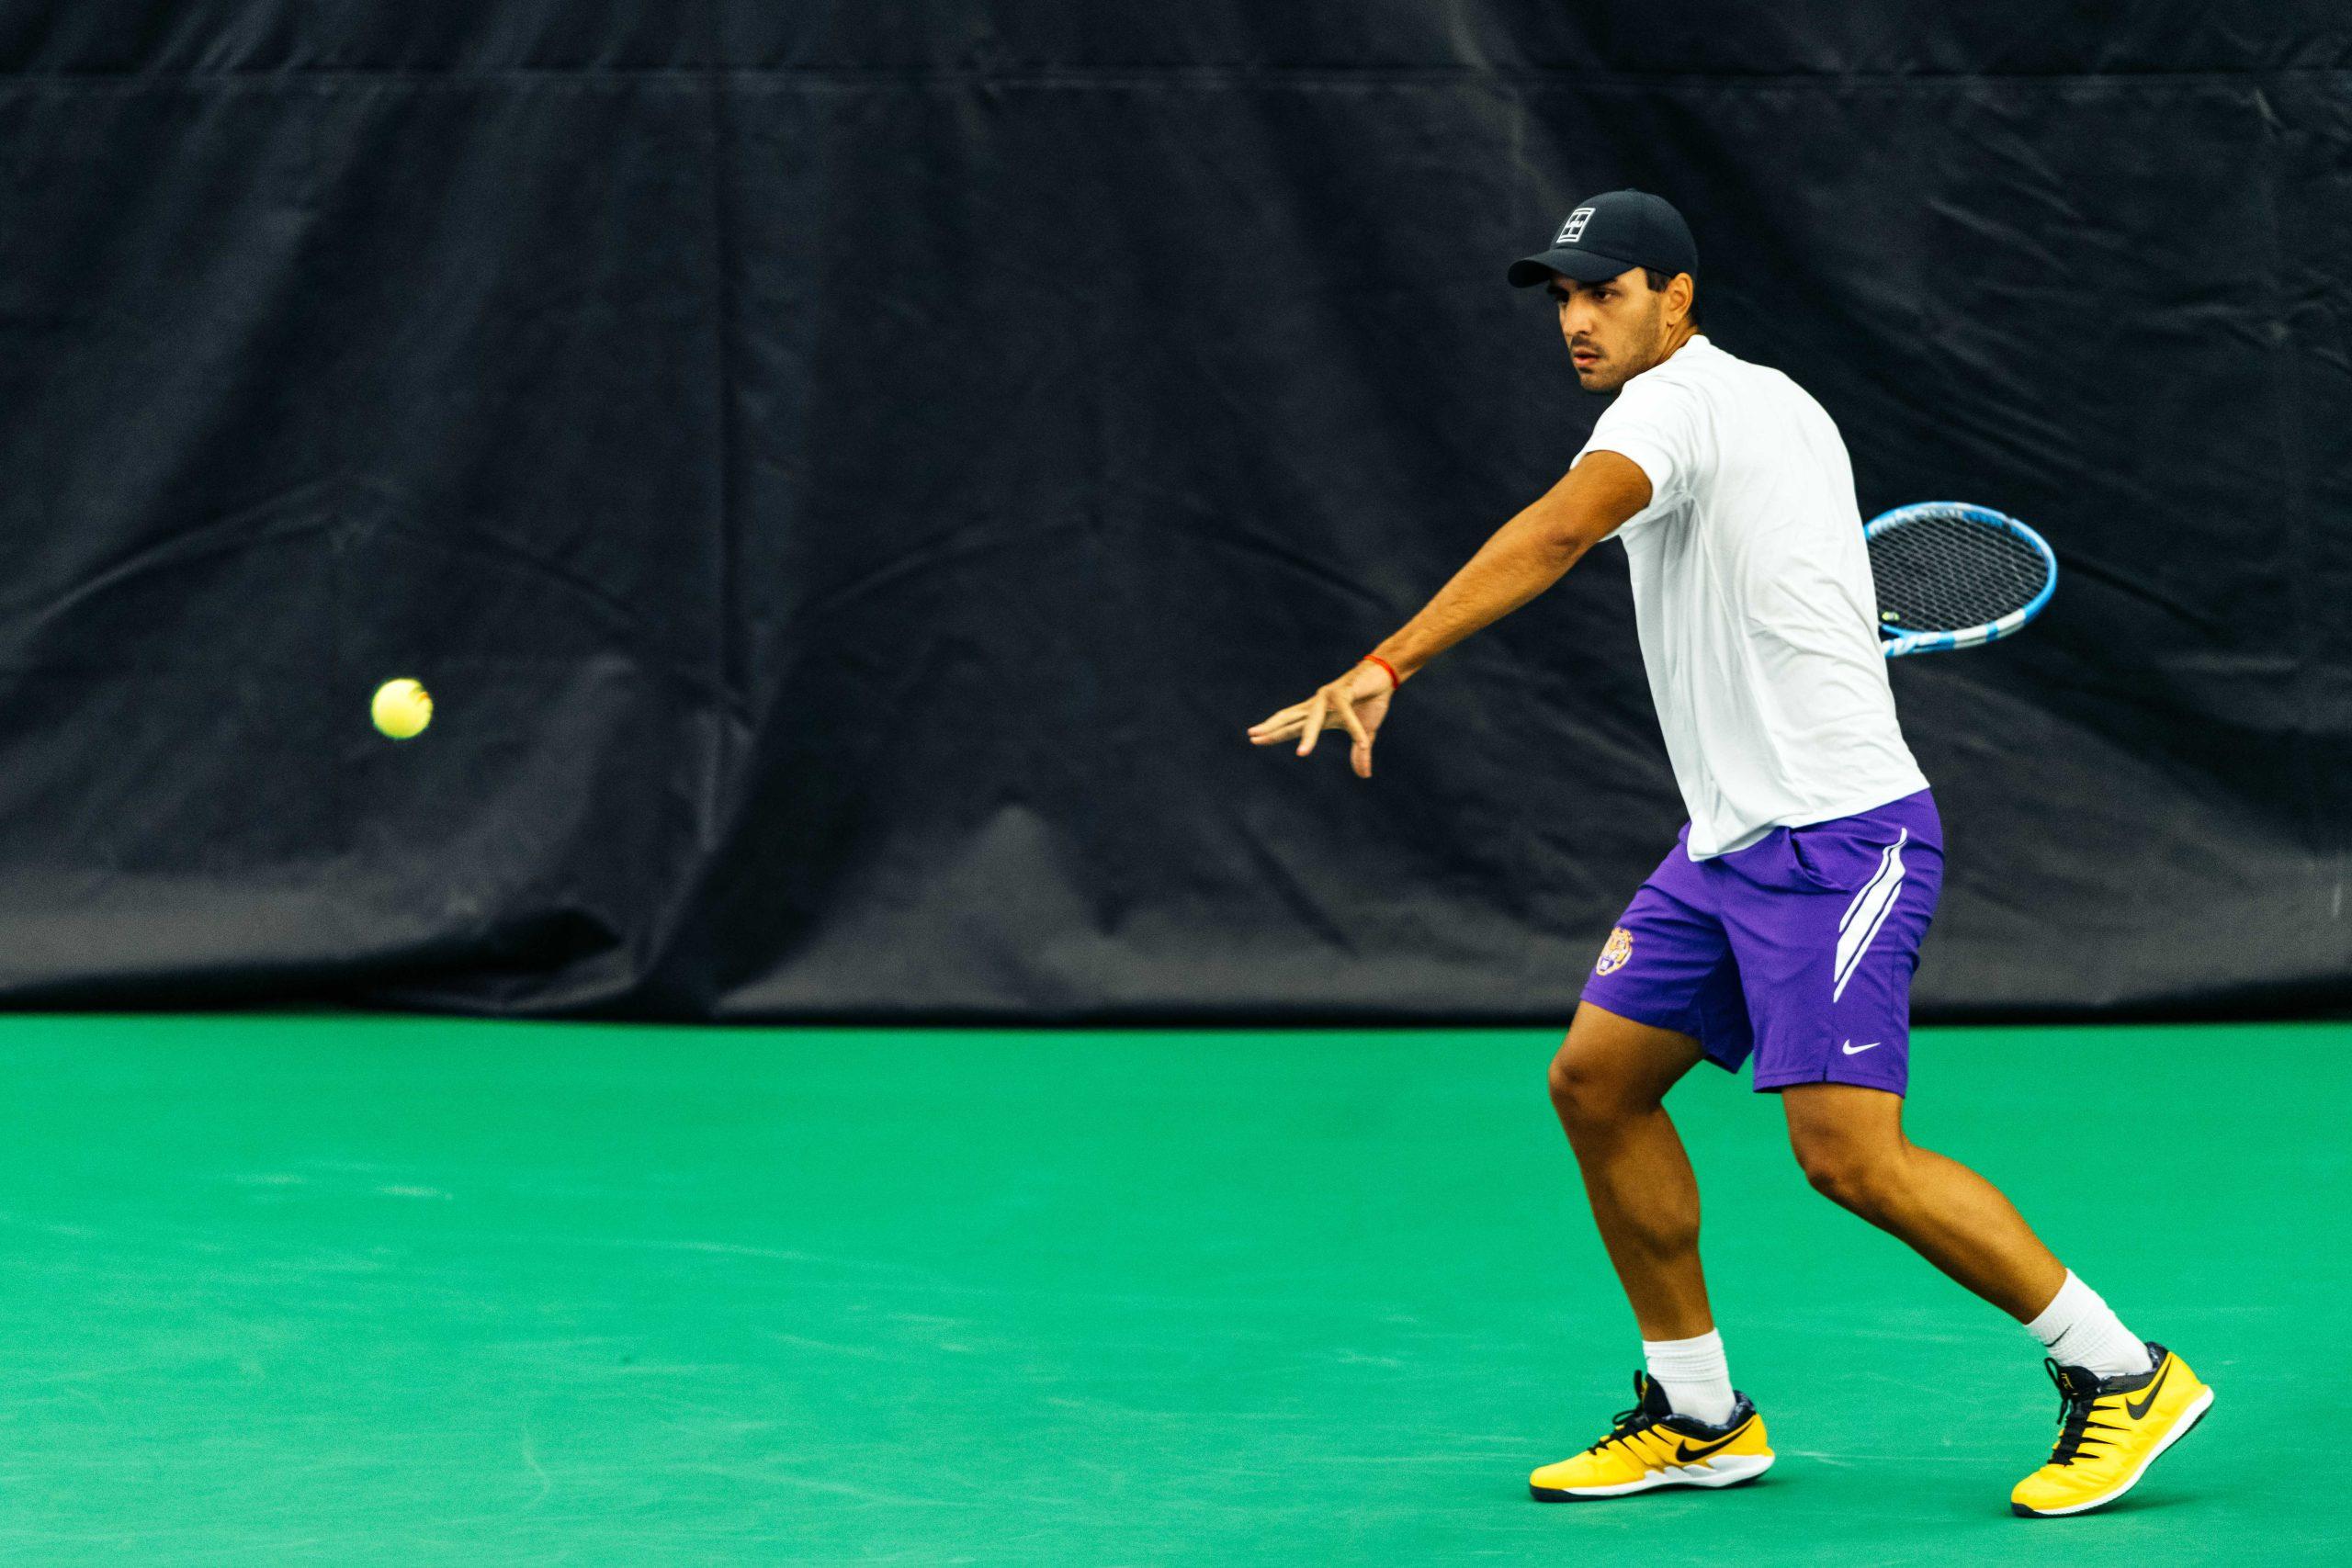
(1753,599)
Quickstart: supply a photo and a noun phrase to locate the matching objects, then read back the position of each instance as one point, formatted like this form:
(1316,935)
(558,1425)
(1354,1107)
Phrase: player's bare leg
(2125,1401)
(1850,1142)
(1608,1083)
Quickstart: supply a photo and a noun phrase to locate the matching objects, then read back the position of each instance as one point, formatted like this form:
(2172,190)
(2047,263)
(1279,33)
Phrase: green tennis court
(358,1290)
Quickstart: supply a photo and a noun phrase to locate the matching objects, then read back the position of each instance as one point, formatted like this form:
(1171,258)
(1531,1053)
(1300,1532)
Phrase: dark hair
(1660,279)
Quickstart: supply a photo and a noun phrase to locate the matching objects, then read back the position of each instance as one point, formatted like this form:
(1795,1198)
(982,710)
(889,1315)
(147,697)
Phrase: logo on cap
(1573,230)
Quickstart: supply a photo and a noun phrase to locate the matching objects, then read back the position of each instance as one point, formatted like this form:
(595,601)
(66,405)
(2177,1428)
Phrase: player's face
(1615,329)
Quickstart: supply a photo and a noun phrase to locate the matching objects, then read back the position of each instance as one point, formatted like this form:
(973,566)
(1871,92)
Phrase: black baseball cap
(1610,233)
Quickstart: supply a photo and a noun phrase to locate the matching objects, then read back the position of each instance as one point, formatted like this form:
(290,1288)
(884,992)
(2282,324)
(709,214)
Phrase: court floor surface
(361,1290)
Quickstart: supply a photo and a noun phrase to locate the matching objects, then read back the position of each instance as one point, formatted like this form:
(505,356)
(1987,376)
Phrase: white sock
(1694,1374)
(2082,1330)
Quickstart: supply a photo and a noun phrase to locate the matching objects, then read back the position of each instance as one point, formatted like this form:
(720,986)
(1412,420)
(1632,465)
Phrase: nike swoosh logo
(1854,1050)
(2138,1408)
(1684,1453)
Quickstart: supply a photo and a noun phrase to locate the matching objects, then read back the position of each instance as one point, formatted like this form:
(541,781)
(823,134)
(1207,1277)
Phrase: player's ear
(1681,293)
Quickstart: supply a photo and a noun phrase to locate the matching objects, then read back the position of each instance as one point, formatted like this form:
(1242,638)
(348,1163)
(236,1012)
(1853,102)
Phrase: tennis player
(1784,925)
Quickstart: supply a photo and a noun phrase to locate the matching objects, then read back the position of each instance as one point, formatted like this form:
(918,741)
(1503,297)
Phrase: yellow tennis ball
(401,709)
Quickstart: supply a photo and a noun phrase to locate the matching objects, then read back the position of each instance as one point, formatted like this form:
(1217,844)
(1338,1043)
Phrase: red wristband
(1395,680)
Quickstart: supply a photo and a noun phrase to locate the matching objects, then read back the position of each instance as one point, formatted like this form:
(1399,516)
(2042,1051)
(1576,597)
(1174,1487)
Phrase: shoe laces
(2075,1423)
(1624,1424)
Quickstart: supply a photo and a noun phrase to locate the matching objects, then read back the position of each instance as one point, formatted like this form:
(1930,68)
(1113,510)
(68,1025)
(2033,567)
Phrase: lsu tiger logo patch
(1614,952)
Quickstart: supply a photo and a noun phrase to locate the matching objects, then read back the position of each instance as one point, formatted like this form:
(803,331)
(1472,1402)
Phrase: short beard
(1609,379)
(1652,354)
(1654,351)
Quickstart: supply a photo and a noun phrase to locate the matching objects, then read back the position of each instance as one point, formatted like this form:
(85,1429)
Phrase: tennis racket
(1952,575)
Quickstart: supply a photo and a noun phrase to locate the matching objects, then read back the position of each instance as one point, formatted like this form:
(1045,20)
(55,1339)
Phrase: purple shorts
(1797,950)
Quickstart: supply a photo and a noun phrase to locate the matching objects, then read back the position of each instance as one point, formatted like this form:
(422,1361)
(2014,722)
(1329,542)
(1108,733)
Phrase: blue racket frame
(1899,642)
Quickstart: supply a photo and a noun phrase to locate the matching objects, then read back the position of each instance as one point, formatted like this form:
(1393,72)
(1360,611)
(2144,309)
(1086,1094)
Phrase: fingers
(1315,716)
(1277,726)
(1361,754)
(1334,707)
(1354,723)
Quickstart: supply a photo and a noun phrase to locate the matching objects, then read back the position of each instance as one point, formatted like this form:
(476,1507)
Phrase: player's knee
(1852,1175)
(1568,1083)
(1584,1093)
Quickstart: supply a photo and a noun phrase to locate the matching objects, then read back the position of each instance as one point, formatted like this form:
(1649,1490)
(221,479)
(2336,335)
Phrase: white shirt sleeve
(1656,424)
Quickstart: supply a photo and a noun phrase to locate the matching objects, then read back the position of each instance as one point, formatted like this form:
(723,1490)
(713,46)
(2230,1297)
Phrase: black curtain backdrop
(851,472)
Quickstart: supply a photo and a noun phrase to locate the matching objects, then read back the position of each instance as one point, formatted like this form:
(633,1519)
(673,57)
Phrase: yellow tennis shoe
(1650,1446)
(2110,1431)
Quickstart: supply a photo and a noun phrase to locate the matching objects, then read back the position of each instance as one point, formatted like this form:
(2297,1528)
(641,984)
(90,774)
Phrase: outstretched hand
(1356,703)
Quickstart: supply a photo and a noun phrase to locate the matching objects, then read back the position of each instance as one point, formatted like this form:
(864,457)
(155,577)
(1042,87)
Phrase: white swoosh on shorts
(1859,927)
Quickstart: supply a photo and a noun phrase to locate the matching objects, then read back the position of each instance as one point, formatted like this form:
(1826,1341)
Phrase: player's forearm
(1526,555)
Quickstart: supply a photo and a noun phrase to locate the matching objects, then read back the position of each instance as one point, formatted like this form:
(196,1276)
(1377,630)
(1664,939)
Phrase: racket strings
(1945,573)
